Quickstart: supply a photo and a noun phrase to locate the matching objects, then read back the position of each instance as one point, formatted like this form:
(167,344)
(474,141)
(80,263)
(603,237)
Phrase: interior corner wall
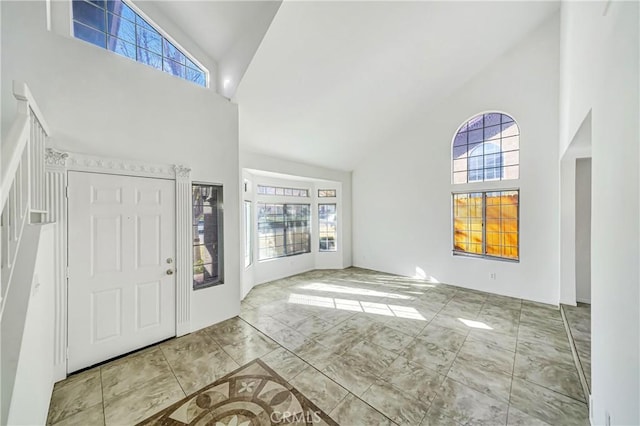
(100,103)
(311,177)
(600,50)
(402,192)
(583,230)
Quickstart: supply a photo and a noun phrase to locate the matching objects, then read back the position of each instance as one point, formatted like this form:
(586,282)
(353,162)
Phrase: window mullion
(286,229)
(484,223)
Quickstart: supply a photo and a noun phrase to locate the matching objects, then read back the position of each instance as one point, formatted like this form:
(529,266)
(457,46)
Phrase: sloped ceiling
(331,80)
(228,31)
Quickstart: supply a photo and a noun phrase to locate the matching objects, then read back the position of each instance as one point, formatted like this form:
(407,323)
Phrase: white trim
(58,164)
(96,164)
(56,206)
(184,262)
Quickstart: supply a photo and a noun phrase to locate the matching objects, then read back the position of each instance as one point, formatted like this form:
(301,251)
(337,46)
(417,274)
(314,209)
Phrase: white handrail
(22,194)
(12,154)
(22,93)
(19,135)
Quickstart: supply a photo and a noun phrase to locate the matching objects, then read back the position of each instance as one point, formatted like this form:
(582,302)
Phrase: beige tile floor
(367,348)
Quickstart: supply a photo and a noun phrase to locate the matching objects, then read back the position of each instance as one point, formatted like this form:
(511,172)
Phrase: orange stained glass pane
(510,252)
(475,248)
(511,239)
(509,225)
(494,250)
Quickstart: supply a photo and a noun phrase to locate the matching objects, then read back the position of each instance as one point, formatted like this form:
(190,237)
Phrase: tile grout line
(104,414)
(533,341)
(574,354)
(309,364)
(172,371)
(515,354)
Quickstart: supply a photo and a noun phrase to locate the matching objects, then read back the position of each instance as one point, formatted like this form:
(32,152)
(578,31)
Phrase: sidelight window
(207,235)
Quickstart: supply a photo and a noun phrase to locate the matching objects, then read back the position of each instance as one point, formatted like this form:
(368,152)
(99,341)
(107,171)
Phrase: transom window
(486,148)
(115,26)
(330,193)
(282,191)
(486,223)
(283,230)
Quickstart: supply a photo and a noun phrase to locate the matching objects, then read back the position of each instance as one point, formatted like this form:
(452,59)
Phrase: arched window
(486,219)
(487,147)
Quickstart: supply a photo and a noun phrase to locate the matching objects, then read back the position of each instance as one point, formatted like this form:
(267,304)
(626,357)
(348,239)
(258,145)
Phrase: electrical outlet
(607,419)
(493,275)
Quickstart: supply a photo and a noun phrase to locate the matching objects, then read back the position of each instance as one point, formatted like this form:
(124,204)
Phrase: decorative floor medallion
(252,395)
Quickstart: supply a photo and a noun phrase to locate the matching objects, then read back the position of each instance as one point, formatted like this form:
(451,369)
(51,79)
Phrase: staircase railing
(22,173)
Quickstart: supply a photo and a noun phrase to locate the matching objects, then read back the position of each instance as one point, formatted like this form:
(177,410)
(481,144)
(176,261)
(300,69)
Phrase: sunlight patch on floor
(350,290)
(357,306)
(475,324)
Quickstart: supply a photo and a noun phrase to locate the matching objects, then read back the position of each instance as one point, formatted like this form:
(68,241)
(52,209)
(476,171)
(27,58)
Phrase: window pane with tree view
(327,226)
(207,235)
(283,230)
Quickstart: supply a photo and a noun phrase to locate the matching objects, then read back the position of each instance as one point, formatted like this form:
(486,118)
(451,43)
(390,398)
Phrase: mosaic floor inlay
(254,394)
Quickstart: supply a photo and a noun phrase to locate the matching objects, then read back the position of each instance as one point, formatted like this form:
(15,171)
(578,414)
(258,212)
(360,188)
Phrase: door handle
(169,271)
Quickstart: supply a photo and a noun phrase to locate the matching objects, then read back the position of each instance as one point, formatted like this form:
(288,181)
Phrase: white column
(184,269)
(56,207)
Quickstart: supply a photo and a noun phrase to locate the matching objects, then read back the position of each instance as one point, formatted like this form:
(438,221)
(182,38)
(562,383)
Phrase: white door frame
(58,163)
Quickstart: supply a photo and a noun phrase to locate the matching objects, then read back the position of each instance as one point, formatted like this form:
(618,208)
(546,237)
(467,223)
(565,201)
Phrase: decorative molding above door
(57,163)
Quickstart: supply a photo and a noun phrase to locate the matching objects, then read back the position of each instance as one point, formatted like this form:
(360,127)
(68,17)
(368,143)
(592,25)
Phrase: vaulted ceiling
(322,82)
(331,80)
(228,31)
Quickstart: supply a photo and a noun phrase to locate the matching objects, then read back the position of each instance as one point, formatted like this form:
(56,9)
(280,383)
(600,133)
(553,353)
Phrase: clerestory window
(116,26)
(486,148)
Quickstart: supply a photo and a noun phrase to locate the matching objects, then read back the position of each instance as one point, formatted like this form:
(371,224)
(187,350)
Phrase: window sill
(484,256)
(203,286)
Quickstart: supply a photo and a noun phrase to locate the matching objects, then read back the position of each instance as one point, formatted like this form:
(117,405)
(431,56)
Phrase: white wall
(34,372)
(583,230)
(579,148)
(402,194)
(259,169)
(100,103)
(600,73)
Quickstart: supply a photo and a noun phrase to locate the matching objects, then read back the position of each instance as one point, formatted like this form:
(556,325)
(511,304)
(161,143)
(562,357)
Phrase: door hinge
(66,192)
(67,352)
(67,272)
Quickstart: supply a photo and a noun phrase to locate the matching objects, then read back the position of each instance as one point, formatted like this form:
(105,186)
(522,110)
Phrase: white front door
(121,291)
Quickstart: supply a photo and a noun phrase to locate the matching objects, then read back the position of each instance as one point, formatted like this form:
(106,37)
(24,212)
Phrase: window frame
(322,193)
(165,37)
(463,129)
(220,236)
(263,190)
(484,254)
(248,233)
(285,227)
(335,222)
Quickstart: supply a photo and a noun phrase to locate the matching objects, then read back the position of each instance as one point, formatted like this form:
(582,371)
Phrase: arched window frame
(473,135)
(485,151)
